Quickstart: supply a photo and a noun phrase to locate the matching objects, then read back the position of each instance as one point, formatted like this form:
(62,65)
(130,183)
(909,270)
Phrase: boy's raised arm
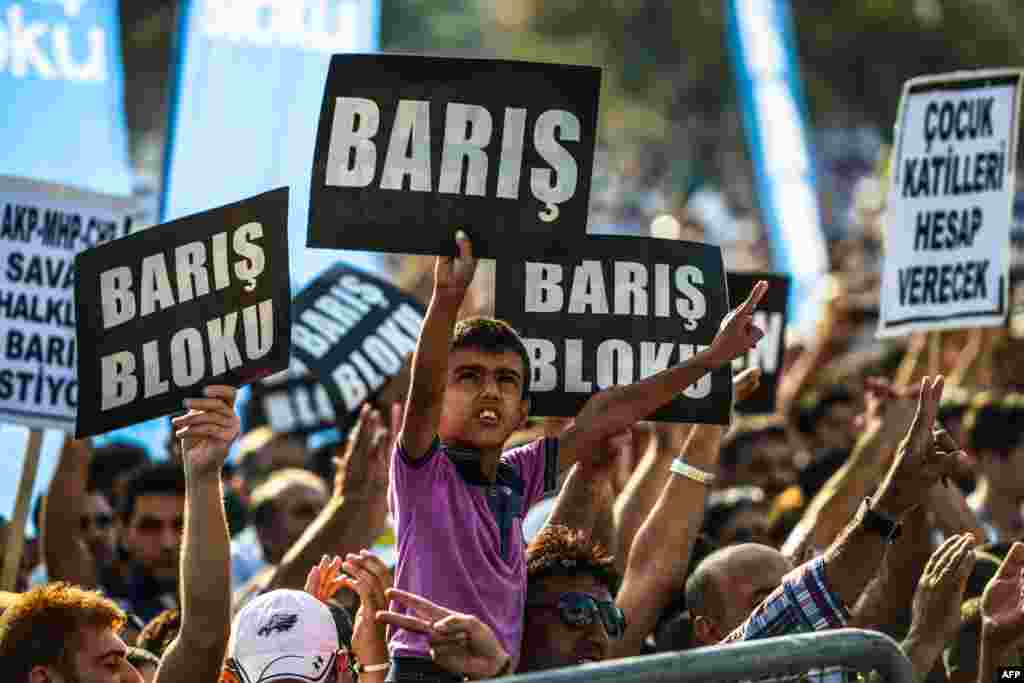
(611,411)
(452,277)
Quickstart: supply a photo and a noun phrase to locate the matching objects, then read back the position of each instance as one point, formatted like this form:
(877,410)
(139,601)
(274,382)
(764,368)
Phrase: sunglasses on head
(579,609)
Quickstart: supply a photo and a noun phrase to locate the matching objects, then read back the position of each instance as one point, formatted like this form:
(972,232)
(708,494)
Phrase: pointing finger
(421,605)
(404,621)
(755,297)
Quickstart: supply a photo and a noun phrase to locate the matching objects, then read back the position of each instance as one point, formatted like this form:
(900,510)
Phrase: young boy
(457,500)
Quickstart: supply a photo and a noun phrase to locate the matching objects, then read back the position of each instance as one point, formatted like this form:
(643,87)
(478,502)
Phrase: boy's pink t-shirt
(460,539)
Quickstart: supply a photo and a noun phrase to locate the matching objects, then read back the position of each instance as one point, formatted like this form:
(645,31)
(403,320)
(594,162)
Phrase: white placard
(949,211)
(42,227)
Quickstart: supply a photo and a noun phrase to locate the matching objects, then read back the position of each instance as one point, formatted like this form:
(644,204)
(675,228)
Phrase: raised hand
(323,580)
(918,464)
(370,579)
(940,591)
(454,274)
(364,465)
(208,428)
(738,333)
(460,643)
(1002,603)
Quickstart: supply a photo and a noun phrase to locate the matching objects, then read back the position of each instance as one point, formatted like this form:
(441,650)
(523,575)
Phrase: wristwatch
(873,520)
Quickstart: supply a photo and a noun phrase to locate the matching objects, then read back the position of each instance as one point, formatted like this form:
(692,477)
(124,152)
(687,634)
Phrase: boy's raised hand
(454,274)
(738,333)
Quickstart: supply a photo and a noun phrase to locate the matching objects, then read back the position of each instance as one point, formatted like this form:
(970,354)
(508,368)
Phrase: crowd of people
(454,536)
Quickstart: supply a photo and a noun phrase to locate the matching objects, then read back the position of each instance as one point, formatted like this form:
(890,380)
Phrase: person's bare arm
(644,488)
(854,558)
(357,511)
(614,410)
(660,554)
(65,552)
(585,501)
(832,508)
(635,503)
(452,277)
(888,597)
(207,432)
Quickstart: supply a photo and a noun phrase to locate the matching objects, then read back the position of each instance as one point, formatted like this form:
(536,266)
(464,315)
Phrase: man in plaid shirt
(816,595)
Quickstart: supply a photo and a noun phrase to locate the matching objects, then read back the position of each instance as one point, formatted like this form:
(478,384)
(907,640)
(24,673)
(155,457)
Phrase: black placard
(167,311)
(294,405)
(618,310)
(410,148)
(353,332)
(770,316)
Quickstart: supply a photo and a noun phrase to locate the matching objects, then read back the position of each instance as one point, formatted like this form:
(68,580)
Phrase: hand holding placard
(208,428)
(738,333)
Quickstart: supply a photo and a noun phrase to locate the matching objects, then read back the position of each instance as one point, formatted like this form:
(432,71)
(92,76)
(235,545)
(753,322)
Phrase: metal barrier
(789,655)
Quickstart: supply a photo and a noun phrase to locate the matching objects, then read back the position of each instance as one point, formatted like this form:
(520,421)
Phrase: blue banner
(246,102)
(764,64)
(61,83)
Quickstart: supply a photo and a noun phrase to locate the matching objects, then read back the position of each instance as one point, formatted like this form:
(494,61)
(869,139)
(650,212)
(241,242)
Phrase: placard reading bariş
(410,146)
(950,203)
(623,311)
(201,300)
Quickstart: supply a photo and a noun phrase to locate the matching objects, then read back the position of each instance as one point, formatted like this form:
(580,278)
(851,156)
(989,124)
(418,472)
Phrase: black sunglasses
(579,609)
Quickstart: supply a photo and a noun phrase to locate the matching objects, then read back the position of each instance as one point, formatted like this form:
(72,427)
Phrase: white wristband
(684,469)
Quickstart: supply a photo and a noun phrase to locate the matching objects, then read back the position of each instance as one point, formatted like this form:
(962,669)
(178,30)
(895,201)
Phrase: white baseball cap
(283,635)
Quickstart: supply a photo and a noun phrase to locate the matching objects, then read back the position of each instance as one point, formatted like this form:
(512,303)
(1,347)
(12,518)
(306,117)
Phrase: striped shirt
(803,603)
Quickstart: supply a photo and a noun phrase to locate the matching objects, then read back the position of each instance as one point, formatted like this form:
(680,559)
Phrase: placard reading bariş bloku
(42,227)
(165,312)
(949,207)
(410,148)
(770,316)
(352,332)
(625,309)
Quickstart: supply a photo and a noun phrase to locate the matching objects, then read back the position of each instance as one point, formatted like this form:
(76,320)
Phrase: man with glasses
(135,560)
(570,616)
(76,514)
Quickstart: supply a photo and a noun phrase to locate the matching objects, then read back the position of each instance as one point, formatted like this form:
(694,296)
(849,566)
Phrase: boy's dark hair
(560,551)
(493,336)
(163,478)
